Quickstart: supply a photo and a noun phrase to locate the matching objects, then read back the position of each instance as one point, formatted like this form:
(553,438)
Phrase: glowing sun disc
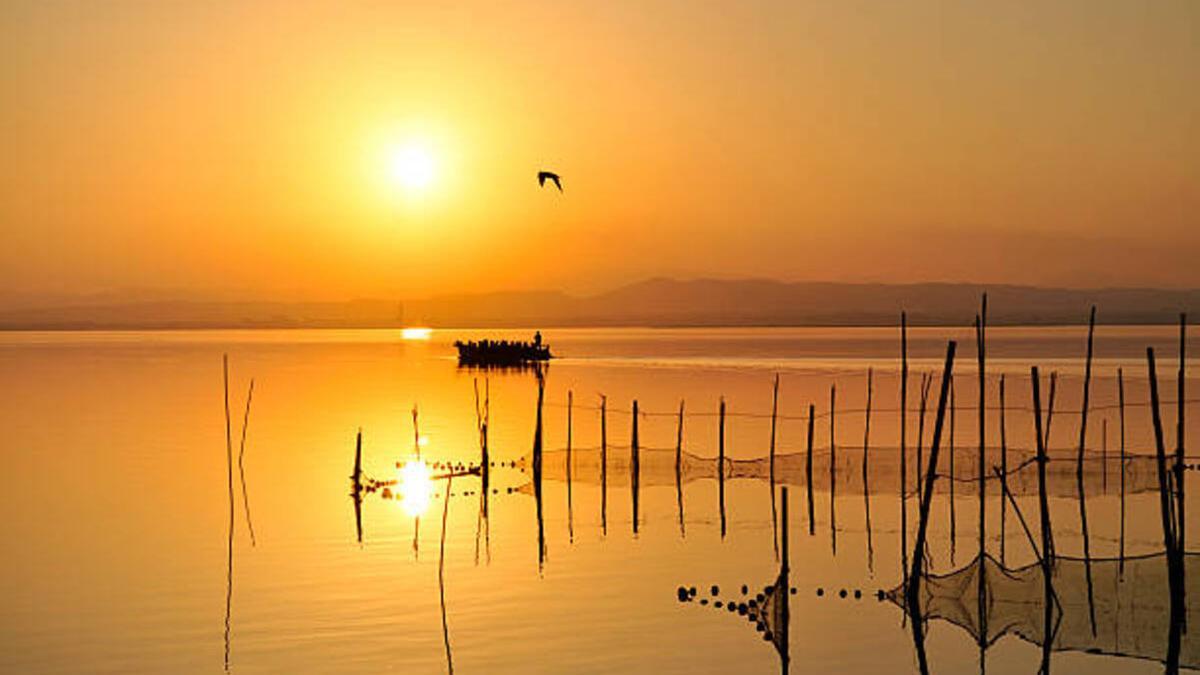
(411,167)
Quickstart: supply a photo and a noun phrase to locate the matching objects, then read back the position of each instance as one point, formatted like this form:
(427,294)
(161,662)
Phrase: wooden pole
(603,465)
(570,509)
(952,477)
(832,470)
(1083,416)
(635,465)
(1050,406)
(865,477)
(1044,510)
(357,484)
(782,587)
(918,557)
(416,542)
(242,467)
(1121,407)
(1179,460)
(808,473)
(229,549)
(904,442)
(537,470)
(774,415)
(1170,536)
(1043,501)
(981,352)
(926,380)
(721,463)
(1003,468)
(679,468)
(1104,455)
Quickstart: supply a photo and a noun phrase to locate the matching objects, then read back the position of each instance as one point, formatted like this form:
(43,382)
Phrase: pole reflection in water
(537,469)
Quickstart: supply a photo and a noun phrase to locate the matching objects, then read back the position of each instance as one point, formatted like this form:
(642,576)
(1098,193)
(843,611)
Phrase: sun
(411,167)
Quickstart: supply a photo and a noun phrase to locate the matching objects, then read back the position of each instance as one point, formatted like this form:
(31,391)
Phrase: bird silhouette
(543,176)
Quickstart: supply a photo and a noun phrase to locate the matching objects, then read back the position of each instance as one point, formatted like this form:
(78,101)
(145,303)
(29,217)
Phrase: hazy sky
(249,148)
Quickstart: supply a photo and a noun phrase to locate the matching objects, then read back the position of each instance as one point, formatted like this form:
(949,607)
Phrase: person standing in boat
(537,339)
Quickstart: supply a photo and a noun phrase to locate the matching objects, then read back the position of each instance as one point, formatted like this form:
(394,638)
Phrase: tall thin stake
(808,474)
(242,466)
(1179,463)
(1083,416)
(679,468)
(1048,553)
(865,478)
(1003,469)
(229,549)
(904,443)
(570,510)
(635,471)
(1121,407)
(721,463)
(603,465)
(1044,510)
(832,469)
(918,557)
(981,352)
(1169,520)
(774,512)
(952,478)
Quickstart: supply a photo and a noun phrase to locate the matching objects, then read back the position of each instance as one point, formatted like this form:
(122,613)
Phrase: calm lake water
(116,506)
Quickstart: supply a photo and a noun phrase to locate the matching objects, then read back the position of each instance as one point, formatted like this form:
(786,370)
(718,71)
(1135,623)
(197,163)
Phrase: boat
(503,353)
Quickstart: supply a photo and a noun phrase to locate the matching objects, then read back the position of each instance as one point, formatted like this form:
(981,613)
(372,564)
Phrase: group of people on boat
(502,352)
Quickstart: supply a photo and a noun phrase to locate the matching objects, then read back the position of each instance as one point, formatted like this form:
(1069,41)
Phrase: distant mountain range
(655,302)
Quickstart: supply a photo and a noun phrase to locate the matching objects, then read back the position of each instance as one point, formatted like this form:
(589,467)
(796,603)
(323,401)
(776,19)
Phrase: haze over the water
(266,150)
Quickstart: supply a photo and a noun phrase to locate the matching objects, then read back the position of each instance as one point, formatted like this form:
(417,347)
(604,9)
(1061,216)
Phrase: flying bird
(543,176)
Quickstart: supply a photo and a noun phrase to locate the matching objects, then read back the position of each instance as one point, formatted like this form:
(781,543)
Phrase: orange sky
(242,148)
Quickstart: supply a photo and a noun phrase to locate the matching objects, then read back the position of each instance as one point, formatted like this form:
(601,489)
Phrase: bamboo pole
(721,463)
(832,469)
(1121,407)
(356,479)
(1083,417)
(570,509)
(926,379)
(808,471)
(1170,536)
(782,587)
(866,479)
(416,542)
(771,453)
(603,465)
(918,557)
(1003,468)
(904,443)
(1050,406)
(229,547)
(953,477)
(442,574)
(537,471)
(242,466)
(1104,455)
(679,468)
(635,465)
(981,353)
(1043,501)
(1044,510)
(1179,459)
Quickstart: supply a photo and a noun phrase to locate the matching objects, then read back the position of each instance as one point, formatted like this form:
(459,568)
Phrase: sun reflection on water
(415,487)
(415,333)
